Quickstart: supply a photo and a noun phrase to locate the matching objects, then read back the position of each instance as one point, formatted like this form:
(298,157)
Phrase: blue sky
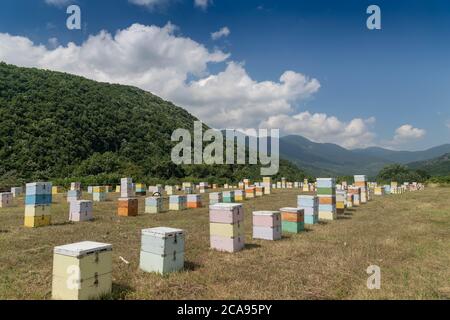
(362,87)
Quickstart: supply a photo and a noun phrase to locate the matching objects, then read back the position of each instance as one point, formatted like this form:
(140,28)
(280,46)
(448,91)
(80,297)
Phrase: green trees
(401,173)
(60,127)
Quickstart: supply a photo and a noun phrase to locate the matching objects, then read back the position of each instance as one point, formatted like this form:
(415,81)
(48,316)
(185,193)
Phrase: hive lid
(82,248)
(265,213)
(162,232)
(290,209)
(224,206)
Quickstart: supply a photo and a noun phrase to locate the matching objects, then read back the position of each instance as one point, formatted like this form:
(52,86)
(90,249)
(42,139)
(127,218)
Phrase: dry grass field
(407,235)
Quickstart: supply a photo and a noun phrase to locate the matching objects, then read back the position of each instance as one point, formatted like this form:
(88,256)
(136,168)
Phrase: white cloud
(407,133)
(224,32)
(202,4)
(53,42)
(149,3)
(320,127)
(58,3)
(176,68)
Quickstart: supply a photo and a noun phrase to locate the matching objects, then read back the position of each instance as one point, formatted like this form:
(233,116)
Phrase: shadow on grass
(119,292)
(4,231)
(191,266)
(251,246)
(59,224)
(322,222)
(344,218)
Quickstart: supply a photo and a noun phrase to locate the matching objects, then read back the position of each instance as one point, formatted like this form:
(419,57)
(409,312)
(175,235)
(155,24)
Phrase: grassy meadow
(407,236)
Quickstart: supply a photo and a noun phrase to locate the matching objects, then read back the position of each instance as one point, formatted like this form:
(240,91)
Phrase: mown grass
(407,236)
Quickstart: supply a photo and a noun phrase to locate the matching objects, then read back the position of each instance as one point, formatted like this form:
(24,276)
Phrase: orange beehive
(293,216)
(127,207)
(327,200)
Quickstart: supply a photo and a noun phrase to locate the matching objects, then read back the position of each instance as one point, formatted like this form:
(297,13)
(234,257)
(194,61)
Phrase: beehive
(155,190)
(292,220)
(82,271)
(75,186)
(239,195)
(379,191)
(170,190)
(250,192)
(140,189)
(117,189)
(356,192)
(341,196)
(305,186)
(73,195)
(89,189)
(108,189)
(226,227)
(326,191)
(38,198)
(194,201)
(128,207)
(57,189)
(310,206)
(126,188)
(16,191)
(267,225)
(214,186)
(228,196)
(162,250)
(6,199)
(259,191)
(80,210)
(361,182)
(349,200)
(153,205)
(99,193)
(177,203)
(215,197)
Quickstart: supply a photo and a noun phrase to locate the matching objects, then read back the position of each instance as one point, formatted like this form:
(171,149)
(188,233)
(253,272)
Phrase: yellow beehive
(99,189)
(37,221)
(56,190)
(82,271)
(226,230)
(117,189)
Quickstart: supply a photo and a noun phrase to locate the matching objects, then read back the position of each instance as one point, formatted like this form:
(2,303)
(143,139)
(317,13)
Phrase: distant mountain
(330,159)
(439,166)
(405,157)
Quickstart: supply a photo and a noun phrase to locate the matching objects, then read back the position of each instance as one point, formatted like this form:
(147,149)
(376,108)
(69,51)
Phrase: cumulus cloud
(174,67)
(407,133)
(224,32)
(320,127)
(58,3)
(202,4)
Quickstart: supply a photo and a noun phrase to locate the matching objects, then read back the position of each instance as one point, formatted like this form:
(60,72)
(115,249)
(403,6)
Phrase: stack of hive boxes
(267,225)
(267,184)
(108,189)
(128,205)
(226,227)
(349,202)
(75,186)
(153,205)
(141,189)
(6,199)
(155,190)
(326,191)
(356,193)
(387,189)
(379,191)
(283,183)
(215,197)
(249,192)
(194,201)
(73,195)
(17,191)
(278,184)
(292,220)
(56,189)
(361,182)
(394,187)
(170,190)
(259,191)
(241,186)
(239,195)
(246,183)
(341,199)
(305,185)
(162,250)
(296,184)
(82,271)
(344,185)
(203,186)
(117,189)
(89,189)
(177,203)
(38,199)
(80,210)
(99,193)
(228,196)
(310,206)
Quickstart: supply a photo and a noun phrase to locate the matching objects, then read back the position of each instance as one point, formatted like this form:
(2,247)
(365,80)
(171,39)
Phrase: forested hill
(56,125)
